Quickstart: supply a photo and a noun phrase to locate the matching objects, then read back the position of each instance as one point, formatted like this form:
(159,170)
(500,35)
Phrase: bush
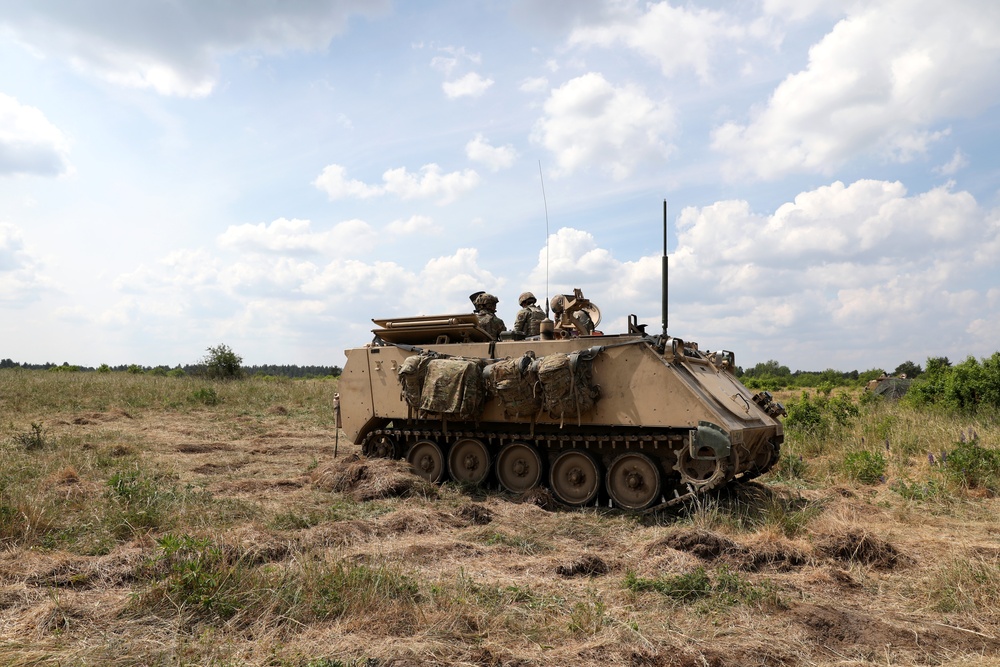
(221,363)
(806,415)
(974,466)
(865,467)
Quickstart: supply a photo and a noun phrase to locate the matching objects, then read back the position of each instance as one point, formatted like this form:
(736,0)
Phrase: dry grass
(148,527)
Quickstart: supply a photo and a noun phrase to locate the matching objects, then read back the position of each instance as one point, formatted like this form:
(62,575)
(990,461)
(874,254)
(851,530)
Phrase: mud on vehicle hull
(667,420)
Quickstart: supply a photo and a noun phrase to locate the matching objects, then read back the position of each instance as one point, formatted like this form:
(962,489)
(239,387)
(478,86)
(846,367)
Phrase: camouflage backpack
(411,378)
(515,385)
(567,385)
(453,387)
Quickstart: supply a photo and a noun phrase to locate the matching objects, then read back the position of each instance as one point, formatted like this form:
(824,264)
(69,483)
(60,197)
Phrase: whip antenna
(546,205)
(663,269)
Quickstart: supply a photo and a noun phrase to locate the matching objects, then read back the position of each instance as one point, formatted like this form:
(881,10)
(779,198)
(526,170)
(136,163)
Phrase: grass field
(172,521)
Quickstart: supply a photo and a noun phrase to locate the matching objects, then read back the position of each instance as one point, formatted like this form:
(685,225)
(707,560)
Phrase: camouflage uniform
(529,317)
(486,310)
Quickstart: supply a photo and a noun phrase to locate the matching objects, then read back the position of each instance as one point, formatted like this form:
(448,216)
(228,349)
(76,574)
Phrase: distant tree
(104,368)
(910,369)
(769,368)
(8,363)
(221,363)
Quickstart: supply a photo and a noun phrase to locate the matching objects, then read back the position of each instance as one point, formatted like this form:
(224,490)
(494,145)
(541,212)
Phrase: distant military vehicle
(889,386)
(630,420)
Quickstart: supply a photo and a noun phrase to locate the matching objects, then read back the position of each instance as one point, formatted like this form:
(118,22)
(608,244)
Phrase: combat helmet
(526,297)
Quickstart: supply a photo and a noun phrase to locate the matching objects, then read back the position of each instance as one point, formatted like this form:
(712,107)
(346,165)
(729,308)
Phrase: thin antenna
(546,204)
(664,269)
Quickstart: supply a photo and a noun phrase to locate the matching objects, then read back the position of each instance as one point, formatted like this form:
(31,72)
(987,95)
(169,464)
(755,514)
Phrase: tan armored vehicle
(630,420)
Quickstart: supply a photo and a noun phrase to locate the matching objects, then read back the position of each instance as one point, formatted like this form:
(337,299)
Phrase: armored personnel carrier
(628,420)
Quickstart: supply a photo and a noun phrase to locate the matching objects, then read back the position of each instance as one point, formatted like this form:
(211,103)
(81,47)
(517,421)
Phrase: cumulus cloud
(880,82)
(673,37)
(468,85)
(429,183)
(957,162)
(832,275)
(495,157)
(174,48)
(29,143)
(537,84)
(22,279)
(590,122)
(416,224)
(297,237)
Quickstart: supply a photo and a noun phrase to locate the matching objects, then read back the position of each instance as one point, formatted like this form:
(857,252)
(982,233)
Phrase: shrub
(221,363)
(805,415)
(974,466)
(205,395)
(34,438)
(865,467)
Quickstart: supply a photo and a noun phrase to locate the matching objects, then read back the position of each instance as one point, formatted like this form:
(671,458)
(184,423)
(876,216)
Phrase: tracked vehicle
(628,420)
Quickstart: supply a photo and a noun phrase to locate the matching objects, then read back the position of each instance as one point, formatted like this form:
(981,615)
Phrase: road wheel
(633,481)
(519,467)
(575,477)
(427,460)
(469,461)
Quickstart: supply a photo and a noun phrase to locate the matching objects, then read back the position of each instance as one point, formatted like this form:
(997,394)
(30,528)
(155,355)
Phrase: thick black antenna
(546,204)
(664,268)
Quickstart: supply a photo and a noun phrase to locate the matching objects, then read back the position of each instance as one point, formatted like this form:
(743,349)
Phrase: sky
(271,175)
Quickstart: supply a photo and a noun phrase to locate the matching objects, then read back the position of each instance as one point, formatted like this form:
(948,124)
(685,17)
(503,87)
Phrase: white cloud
(22,279)
(29,143)
(538,84)
(416,224)
(876,84)
(496,158)
(589,122)
(334,182)
(673,37)
(174,48)
(430,182)
(296,237)
(469,85)
(957,162)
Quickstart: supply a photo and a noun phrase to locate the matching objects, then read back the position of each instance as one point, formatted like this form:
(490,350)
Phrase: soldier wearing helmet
(530,315)
(486,310)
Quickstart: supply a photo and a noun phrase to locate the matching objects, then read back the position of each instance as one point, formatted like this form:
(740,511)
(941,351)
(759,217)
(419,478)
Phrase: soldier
(528,318)
(486,309)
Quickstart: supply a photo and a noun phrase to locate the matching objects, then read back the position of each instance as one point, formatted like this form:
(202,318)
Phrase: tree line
(197,369)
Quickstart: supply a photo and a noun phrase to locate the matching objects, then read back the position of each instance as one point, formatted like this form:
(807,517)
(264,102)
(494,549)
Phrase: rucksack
(411,378)
(567,384)
(516,386)
(453,387)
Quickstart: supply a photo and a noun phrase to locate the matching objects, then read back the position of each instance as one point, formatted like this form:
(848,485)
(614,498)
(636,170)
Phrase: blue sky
(272,175)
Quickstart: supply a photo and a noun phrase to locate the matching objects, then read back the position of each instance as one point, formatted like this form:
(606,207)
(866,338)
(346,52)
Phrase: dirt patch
(540,497)
(858,635)
(252,485)
(701,543)
(475,514)
(864,548)
(217,468)
(371,479)
(204,448)
(588,565)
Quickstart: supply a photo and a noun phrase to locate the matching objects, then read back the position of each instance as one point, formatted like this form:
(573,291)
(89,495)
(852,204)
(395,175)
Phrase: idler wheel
(575,477)
(763,457)
(469,461)
(382,447)
(427,460)
(633,481)
(700,474)
(519,467)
